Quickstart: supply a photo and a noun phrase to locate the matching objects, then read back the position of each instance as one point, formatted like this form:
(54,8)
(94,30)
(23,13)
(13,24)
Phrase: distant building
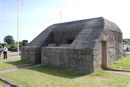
(126,47)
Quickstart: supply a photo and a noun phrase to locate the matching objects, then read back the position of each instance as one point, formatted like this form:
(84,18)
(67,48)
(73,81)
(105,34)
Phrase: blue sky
(37,15)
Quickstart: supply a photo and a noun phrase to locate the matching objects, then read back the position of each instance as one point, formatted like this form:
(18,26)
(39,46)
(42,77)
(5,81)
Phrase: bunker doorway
(104,54)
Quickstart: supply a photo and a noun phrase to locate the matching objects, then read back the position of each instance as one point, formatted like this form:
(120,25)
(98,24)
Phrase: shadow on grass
(18,62)
(60,72)
(51,70)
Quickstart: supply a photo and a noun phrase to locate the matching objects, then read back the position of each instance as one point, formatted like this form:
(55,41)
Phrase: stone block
(81,51)
(66,65)
(72,61)
(75,51)
(88,58)
(71,56)
(88,52)
(64,51)
(59,51)
(98,62)
(70,51)
(65,55)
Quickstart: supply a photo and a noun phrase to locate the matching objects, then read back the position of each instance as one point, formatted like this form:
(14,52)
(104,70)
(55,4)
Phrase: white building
(126,47)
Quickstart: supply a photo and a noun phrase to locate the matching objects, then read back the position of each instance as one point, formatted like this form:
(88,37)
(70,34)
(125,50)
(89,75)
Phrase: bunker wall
(32,54)
(77,59)
(61,36)
(114,48)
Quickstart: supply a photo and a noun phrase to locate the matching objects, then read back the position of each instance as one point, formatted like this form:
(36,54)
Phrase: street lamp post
(18,26)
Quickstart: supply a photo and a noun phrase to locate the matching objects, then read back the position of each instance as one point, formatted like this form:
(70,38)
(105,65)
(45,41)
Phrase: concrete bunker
(86,45)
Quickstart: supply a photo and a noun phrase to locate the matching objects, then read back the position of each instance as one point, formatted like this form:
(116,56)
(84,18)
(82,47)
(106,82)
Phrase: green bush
(12,47)
(126,41)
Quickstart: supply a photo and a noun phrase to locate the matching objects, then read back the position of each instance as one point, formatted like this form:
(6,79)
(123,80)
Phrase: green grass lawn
(49,76)
(123,63)
(12,62)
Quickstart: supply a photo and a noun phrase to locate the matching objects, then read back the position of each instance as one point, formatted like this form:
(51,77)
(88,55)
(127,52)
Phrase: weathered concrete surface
(78,59)
(76,45)
(113,37)
(32,54)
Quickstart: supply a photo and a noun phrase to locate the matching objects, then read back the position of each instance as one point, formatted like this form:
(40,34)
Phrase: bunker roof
(89,31)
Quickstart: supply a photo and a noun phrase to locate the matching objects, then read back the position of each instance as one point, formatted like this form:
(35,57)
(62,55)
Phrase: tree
(3,44)
(126,41)
(9,39)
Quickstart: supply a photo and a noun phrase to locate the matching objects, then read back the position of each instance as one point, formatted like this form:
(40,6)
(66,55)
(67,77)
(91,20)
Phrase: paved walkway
(118,71)
(18,67)
(127,73)
(14,55)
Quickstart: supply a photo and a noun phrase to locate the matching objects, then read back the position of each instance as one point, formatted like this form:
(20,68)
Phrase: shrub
(12,47)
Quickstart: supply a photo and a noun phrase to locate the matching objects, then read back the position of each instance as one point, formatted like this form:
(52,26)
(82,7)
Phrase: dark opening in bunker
(69,40)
